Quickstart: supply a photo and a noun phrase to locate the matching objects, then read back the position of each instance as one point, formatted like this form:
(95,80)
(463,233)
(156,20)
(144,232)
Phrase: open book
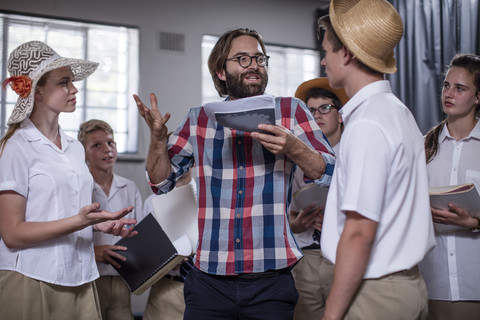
(150,255)
(309,194)
(243,114)
(464,195)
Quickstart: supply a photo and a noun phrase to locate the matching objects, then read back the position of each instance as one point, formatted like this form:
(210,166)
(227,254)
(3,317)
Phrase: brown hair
(470,63)
(325,24)
(219,54)
(91,126)
(324,94)
(10,131)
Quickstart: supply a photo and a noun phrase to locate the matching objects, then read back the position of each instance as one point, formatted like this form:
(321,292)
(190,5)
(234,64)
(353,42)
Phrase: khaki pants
(399,296)
(313,276)
(23,298)
(114,296)
(165,301)
(449,310)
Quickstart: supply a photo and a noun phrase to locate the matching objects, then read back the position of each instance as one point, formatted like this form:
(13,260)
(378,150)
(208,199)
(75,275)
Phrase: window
(107,94)
(288,68)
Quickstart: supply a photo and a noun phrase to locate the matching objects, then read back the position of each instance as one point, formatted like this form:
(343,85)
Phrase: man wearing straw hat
(377,224)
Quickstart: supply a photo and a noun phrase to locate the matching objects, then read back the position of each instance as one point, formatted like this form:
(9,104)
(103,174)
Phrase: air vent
(172,41)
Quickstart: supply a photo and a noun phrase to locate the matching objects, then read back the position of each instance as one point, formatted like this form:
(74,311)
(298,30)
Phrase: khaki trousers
(313,276)
(399,296)
(24,298)
(114,296)
(165,301)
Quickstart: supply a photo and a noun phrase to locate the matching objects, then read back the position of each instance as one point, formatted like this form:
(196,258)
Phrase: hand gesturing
(153,118)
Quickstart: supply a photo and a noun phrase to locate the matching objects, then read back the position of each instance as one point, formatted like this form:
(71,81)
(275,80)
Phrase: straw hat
(28,63)
(370,29)
(303,89)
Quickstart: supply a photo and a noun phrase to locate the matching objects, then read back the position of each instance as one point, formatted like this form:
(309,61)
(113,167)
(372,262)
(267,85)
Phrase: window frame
(130,66)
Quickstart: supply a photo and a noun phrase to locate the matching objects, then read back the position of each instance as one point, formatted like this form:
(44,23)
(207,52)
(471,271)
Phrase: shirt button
(451,253)
(239,142)
(238,215)
(238,240)
(240,192)
(241,168)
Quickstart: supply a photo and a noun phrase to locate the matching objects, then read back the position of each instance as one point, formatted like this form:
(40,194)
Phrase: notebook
(150,255)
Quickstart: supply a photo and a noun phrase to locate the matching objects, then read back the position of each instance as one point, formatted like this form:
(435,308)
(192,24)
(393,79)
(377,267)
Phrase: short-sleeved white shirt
(123,193)
(304,238)
(381,174)
(56,184)
(451,270)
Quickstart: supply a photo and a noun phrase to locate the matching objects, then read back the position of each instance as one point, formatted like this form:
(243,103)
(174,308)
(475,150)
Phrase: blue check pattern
(243,189)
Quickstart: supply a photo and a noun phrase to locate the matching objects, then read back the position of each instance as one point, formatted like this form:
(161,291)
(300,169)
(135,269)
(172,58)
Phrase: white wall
(176,77)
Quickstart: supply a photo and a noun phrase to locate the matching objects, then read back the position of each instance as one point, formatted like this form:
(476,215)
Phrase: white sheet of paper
(176,212)
(243,114)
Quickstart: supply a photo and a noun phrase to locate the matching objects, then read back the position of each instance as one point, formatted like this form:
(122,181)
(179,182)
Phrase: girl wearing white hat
(452,148)
(47,263)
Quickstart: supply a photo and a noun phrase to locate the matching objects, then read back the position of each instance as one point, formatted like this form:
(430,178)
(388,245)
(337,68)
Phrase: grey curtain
(434,32)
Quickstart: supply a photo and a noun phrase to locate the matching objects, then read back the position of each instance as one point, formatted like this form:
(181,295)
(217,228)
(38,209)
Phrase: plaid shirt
(243,189)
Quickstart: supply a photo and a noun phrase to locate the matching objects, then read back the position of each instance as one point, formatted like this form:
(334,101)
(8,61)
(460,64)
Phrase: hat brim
(352,24)
(81,69)
(306,86)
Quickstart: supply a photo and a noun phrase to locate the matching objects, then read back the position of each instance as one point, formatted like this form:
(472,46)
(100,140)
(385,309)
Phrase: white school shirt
(56,184)
(451,270)
(304,238)
(381,174)
(123,193)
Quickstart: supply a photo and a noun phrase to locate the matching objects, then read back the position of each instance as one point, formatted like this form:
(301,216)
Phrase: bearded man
(246,249)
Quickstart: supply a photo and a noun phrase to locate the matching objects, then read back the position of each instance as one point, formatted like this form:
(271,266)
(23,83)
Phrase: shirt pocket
(473,176)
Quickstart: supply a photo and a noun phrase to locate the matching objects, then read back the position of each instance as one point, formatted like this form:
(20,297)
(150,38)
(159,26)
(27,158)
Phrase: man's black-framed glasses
(245,60)
(323,109)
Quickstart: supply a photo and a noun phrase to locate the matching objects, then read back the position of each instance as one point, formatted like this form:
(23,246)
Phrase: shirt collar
(32,134)
(117,183)
(474,134)
(381,86)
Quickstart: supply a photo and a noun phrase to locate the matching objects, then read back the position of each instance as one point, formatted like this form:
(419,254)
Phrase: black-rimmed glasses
(323,109)
(245,60)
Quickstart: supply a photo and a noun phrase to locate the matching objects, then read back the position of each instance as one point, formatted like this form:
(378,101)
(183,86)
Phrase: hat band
(38,70)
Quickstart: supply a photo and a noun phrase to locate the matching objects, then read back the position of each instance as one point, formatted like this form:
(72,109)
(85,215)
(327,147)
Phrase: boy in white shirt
(110,191)
(377,224)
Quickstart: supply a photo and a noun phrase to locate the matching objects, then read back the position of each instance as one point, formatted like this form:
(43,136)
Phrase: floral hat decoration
(28,63)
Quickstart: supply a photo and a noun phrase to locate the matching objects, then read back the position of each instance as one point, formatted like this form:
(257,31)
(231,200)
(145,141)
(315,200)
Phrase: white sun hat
(28,63)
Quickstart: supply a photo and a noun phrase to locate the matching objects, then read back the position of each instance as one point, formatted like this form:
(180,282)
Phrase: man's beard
(237,89)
